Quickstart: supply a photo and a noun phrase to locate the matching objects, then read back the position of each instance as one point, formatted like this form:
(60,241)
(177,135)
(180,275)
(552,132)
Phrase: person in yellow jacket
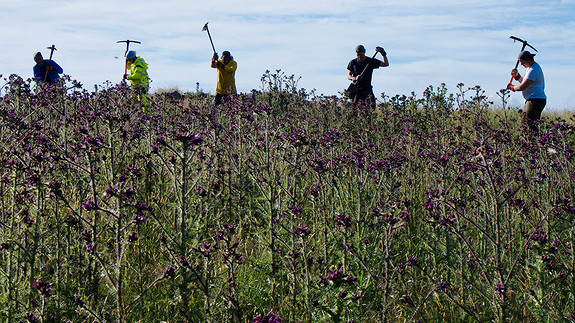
(138,77)
(226,75)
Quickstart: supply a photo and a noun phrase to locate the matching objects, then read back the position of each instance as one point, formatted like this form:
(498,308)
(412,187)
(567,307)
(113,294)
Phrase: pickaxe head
(128,44)
(52,49)
(211,42)
(522,41)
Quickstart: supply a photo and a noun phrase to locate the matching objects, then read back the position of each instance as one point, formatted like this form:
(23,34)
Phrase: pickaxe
(127,49)
(206,29)
(522,49)
(52,49)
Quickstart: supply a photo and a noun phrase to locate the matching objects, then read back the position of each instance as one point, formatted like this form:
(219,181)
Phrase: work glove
(381,50)
(510,87)
(515,74)
(50,68)
(356,79)
(125,76)
(215,57)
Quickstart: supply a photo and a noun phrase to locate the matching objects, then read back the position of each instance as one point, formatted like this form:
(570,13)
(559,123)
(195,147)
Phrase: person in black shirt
(356,67)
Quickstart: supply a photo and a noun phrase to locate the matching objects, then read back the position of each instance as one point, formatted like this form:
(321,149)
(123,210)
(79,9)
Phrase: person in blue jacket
(46,65)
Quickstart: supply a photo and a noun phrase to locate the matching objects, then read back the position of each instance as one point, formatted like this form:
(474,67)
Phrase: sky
(428,42)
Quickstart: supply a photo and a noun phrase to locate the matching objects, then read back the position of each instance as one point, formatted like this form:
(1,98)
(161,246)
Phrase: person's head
(131,56)
(226,57)
(360,52)
(526,58)
(38,58)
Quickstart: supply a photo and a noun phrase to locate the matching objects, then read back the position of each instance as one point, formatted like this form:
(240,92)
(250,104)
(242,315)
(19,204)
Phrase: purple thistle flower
(302,230)
(86,235)
(500,288)
(294,254)
(133,236)
(230,227)
(93,141)
(411,261)
(129,192)
(170,271)
(315,191)
(405,215)
(338,277)
(161,140)
(183,261)
(31,317)
(90,205)
(539,235)
(343,220)
(43,287)
(55,187)
(189,138)
(140,218)
(90,247)
(111,191)
(297,210)
(442,285)
(201,191)
(269,317)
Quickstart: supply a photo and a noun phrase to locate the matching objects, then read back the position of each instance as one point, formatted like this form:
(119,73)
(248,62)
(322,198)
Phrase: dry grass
(568,116)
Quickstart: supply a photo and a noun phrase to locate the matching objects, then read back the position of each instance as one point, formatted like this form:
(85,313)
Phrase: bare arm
(350,76)
(525,83)
(385,61)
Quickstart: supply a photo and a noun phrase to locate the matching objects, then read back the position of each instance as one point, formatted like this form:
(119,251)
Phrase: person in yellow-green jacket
(226,75)
(138,77)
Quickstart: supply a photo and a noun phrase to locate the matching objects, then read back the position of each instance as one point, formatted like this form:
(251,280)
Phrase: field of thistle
(282,206)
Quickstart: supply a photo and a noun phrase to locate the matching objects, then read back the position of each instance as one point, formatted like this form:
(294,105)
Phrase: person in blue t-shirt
(532,86)
(46,65)
(356,67)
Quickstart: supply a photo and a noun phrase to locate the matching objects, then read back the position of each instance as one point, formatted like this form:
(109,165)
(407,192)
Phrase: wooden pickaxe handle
(128,41)
(517,63)
(366,66)
(210,36)
(52,49)
(522,49)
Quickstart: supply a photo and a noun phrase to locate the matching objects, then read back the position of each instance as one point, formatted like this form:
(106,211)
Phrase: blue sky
(428,42)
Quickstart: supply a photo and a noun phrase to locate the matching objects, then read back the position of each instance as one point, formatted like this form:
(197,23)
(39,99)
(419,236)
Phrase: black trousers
(365,94)
(532,112)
